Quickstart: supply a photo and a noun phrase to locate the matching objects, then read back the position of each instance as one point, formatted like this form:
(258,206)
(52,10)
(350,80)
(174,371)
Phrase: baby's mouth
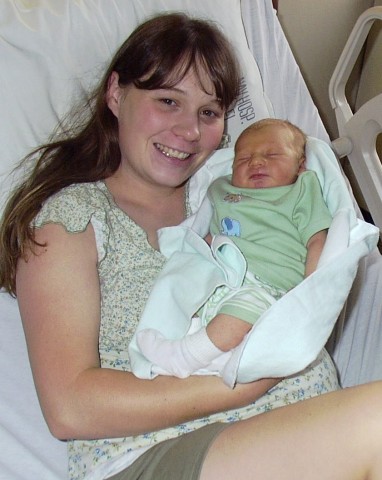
(172,153)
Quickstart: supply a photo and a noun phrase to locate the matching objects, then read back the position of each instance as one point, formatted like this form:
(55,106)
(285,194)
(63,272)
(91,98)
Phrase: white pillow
(52,52)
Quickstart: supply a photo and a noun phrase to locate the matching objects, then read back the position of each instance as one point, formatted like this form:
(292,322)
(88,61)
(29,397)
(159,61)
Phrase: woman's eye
(167,101)
(208,113)
(212,114)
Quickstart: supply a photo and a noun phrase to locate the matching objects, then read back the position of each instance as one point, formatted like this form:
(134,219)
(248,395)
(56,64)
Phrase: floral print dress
(127,267)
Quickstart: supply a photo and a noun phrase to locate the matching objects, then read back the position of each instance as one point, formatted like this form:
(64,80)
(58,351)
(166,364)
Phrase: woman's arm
(59,297)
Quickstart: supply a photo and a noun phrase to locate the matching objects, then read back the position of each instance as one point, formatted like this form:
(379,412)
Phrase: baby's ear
(302,167)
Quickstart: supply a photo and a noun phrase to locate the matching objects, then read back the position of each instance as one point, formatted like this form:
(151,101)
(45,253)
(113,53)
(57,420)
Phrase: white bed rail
(358,131)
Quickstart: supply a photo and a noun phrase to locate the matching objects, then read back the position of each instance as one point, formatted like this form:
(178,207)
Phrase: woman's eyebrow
(212,98)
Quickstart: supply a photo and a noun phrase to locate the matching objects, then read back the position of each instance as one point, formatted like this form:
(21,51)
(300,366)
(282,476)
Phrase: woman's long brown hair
(157,54)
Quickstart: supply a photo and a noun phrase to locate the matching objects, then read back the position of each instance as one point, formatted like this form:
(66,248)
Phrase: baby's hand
(208,238)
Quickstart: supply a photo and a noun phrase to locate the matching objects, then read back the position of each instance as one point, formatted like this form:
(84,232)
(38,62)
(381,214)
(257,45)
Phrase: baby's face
(266,158)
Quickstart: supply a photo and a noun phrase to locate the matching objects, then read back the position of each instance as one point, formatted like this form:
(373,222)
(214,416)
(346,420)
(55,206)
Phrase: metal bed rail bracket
(358,130)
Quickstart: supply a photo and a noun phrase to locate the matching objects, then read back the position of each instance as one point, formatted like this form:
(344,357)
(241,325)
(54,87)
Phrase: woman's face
(166,134)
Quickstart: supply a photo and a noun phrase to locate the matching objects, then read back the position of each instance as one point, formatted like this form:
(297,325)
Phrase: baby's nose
(257,159)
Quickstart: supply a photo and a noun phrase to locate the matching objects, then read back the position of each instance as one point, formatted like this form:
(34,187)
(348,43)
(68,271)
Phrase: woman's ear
(113,94)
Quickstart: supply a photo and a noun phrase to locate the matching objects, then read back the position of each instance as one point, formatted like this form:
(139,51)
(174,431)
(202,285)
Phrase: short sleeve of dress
(76,206)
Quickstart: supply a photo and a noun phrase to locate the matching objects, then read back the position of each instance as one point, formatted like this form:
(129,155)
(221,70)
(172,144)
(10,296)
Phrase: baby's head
(269,153)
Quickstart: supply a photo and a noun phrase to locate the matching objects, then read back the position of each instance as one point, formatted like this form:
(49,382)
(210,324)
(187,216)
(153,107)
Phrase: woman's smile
(171,152)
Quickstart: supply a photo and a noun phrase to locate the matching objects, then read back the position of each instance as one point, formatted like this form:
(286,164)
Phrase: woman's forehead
(195,69)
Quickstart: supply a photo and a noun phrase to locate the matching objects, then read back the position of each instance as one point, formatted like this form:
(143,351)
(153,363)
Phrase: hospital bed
(358,130)
(51,52)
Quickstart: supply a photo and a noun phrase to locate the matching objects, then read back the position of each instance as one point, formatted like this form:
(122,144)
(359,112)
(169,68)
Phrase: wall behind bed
(317,33)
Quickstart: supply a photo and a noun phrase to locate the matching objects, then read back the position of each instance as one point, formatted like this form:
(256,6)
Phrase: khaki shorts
(179,458)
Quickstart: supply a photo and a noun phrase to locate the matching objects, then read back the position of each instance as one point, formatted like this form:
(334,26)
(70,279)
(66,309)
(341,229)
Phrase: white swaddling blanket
(291,333)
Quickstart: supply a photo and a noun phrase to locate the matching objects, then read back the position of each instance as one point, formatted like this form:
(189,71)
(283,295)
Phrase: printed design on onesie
(230,226)
(233,197)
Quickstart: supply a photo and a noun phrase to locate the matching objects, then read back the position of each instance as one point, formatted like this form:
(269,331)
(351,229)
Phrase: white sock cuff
(201,347)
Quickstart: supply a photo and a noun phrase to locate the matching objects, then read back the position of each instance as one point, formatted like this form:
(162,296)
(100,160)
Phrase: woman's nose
(188,127)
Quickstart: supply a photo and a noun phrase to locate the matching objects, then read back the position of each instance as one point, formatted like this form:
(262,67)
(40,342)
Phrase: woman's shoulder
(74,206)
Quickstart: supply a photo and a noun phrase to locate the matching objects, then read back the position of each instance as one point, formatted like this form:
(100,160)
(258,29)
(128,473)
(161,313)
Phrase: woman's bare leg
(337,436)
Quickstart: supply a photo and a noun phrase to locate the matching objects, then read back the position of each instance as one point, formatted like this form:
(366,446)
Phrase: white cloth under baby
(180,296)
(289,335)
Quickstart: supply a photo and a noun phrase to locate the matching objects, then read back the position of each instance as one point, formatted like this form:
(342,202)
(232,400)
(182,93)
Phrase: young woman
(79,249)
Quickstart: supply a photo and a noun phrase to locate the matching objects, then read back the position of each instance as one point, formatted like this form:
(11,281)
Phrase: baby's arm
(315,245)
